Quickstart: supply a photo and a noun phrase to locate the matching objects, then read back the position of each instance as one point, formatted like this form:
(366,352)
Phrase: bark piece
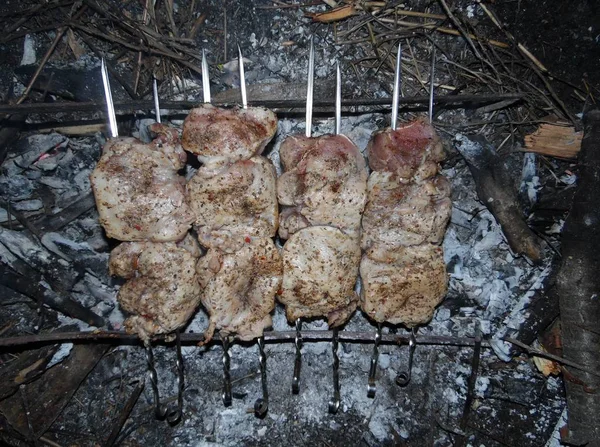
(578,288)
(495,189)
(49,395)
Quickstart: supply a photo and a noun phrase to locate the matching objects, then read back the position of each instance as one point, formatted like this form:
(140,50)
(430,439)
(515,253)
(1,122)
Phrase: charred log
(578,288)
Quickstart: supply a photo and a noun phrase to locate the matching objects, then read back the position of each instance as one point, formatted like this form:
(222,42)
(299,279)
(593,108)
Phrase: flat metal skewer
(372,386)
(205,79)
(226,396)
(110,107)
(397,85)
(334,403)
(242,79)
(403,378)
(338,100)
(431,86)
(298,359)
(156,103)
(261,406)
(174,414)
(309,88)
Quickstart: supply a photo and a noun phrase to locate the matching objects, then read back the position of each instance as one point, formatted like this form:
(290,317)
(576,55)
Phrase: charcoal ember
(55,182)
(16,187)
(80,253)
(26,249)
(28,150)
(28,205)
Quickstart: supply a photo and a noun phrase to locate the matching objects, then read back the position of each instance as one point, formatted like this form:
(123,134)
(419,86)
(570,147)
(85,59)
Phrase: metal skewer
(110,107)
(338,100)
(298,360)
(431,86)
(403,378)
(205,79)
(171,414)
(242,79)
(372,386)
(309,88)
(226,373)
(334,403)
(156,103)
(261,406)
(397,85)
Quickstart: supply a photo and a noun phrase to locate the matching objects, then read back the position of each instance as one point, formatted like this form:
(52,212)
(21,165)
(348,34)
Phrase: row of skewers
(336,219)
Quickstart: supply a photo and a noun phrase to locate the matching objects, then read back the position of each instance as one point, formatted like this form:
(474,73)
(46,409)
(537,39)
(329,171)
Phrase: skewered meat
(403,285)
(320,266)
(324,184)
(138,192)
(402,268)
(162,291)
(239,288)
(402,213)
(221,136)
(237,202)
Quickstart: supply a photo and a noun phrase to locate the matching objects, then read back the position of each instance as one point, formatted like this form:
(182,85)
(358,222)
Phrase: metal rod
(334,403)
(372,386)
(205,79)
(309,88)
(159,410)
(174,414)
(431,85)
(397,86)
(281,106)
(298,359)
(403,378)
(156,103)
(261,406)
(226,396)
(338,100)
(270,337)
(110,107)
(242,79)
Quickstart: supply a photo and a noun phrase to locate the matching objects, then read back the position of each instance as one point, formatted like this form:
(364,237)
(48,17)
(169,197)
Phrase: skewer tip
(309,88)
(242,78)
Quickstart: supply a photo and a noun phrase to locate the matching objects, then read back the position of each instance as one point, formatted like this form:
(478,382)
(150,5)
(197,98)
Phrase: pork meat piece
(139,194)
(320,267)
(403,286)
(403,213)
(412,151)
(162,290)
(220,136)
(239,288)
(325,183)
(236,203)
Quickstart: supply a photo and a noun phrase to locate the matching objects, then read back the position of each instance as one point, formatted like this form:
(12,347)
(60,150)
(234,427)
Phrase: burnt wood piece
(578,288)
(25,368)
(495,188)
(10,127)
(67,215)
(31,285)
(124,415)
(51,392)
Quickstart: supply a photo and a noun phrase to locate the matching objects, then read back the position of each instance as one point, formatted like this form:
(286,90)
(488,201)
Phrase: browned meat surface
(162,291)
(403,285)
(401,213)
(413,151)
(320,267)
(324,183)
(408,208)
(221,136)
(237,202)
(139,194)
(239,288)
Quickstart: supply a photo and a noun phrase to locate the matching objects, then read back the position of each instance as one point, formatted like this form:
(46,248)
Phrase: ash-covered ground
(514,404)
